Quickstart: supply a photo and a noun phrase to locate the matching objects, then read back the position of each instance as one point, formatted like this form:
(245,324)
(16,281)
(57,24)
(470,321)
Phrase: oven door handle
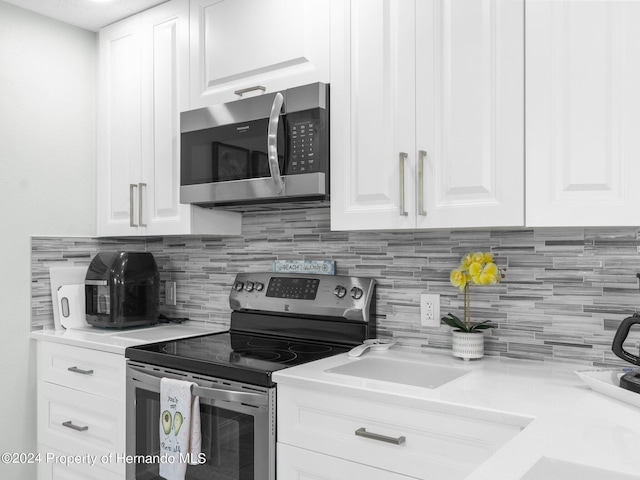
(206,392)
(272,143)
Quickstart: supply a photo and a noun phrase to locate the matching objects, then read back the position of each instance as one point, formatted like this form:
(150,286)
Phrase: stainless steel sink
(399,371)
(548,468)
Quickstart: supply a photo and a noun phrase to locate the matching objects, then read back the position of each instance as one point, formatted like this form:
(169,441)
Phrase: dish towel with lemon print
(180,436)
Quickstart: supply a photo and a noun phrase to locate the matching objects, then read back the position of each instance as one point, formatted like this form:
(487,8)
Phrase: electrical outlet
(170,293)
(430,310)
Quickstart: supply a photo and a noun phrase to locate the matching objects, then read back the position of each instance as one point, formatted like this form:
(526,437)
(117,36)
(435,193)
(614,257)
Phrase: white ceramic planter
(468,345)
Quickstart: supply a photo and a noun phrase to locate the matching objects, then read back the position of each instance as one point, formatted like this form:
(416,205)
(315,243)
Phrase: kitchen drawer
(447,446)
(299,464)
(55,468)
(92,371)
(99,422)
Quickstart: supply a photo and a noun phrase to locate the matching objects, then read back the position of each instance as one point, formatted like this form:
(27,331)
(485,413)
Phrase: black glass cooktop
(243,357)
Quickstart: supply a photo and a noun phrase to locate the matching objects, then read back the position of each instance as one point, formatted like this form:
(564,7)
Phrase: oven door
(237,422)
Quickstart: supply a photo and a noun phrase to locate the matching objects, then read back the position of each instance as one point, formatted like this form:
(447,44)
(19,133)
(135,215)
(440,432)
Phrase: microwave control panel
(307,150)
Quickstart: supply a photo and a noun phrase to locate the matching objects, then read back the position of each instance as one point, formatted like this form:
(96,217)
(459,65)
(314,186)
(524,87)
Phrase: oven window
(228,441)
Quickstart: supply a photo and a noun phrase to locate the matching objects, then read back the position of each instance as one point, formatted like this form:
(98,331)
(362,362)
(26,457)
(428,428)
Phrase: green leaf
(454,322)
(481,326)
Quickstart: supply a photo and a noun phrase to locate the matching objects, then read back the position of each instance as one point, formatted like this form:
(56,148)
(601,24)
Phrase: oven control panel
(326,295)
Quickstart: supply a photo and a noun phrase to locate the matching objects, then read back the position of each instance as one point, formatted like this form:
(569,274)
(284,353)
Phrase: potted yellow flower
(476,268)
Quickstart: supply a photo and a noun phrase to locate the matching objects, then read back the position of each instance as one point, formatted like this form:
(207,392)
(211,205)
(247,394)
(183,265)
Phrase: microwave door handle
(272,143)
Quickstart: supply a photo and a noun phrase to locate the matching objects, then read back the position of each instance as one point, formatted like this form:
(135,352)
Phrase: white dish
(607,382)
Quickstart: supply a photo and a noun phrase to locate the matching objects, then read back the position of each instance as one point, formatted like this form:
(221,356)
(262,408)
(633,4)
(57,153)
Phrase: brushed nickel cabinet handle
(362,432)
(421,155)
(242,91)
(140,185)
(70,425)
(131,207)
(403,157)
(81,371)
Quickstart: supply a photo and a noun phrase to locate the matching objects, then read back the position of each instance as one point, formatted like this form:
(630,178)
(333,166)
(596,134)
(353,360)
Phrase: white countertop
(116,341)
(564,418)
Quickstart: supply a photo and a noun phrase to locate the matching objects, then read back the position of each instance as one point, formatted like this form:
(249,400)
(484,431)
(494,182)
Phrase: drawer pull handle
(79,370)
(362,432)
(70,425)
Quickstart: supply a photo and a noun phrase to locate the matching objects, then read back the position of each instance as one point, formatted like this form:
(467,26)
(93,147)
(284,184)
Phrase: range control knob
(238,286)
(248,286)
(340,291)
(356,293)
(258,286)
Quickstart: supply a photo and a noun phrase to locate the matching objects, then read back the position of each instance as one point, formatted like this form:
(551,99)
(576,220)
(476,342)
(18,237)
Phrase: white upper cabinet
(372,114)
(144,78)
(582,106)
(119,136)
(470,112)
(260,45)
(427,103)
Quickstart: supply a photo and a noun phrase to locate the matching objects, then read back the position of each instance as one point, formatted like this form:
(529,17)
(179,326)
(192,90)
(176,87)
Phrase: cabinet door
(144,72)
(470,113)
(165,76)
(61,470)
(402,439)
(582,113)
(118,168)
(372,115)
(81,423)
(92,371)
(239,44)
(299,464)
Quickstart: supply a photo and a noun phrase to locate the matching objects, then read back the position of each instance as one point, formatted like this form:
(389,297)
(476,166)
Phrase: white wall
(47,186)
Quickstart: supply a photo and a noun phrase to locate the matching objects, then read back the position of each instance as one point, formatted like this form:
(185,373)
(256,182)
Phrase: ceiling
(88,14)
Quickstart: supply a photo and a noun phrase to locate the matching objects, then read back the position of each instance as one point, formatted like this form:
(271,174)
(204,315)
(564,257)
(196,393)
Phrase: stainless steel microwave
(267,150)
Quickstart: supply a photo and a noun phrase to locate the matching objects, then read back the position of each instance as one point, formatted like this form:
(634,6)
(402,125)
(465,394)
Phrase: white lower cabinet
(387,440)
(299,464)
(56,467)
(81,412)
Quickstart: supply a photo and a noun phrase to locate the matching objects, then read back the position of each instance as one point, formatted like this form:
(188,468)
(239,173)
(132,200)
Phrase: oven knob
(238,286)
(340,291)
(356,293)
(248,286)
(258,286)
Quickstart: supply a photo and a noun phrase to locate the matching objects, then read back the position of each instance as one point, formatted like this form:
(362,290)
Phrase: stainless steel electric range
(277,321)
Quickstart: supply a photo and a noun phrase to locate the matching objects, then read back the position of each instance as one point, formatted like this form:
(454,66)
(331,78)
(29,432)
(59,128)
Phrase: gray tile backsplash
(565,291)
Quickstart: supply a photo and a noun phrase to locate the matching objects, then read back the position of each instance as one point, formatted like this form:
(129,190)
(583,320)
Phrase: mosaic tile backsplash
(564,294)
